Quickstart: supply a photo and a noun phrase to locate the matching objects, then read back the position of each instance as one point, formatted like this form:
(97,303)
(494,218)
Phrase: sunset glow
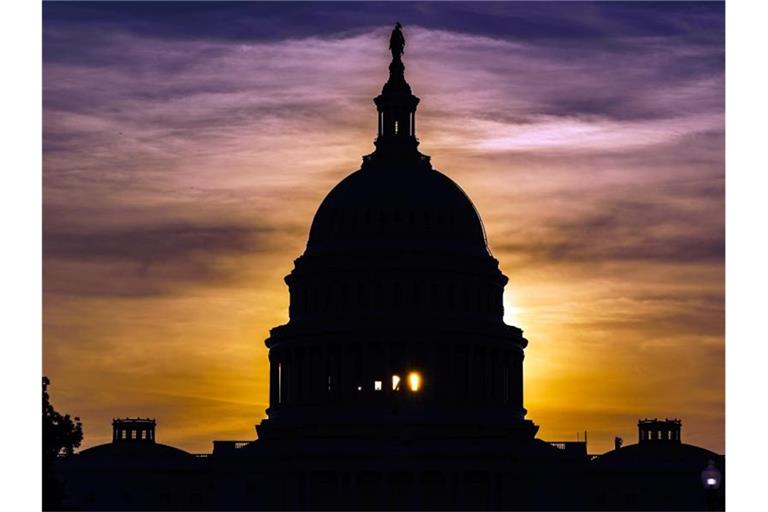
(183,166)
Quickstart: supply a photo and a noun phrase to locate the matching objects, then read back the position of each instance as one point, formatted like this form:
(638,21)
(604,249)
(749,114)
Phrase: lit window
(395,382)
(359,388)
(377,385)
(414,381)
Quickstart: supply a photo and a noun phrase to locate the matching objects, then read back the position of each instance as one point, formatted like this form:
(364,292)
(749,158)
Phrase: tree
(61,436)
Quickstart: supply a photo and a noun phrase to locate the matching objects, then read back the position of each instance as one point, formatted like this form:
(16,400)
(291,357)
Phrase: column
(289,378)
(301,375)
(273,376)
(325,373)
(519,380)
(509,361)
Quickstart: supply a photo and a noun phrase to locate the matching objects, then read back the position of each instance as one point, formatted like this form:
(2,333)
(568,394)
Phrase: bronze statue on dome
(397,41)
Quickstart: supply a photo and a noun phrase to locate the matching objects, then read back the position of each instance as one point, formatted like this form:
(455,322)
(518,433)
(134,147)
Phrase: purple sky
(187,146)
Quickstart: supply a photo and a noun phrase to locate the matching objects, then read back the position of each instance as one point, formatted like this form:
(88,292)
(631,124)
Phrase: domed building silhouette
(396,305)
(395,384)
(133,472)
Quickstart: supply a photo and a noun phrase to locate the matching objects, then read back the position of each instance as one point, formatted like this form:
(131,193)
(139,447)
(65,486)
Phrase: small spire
(396,106)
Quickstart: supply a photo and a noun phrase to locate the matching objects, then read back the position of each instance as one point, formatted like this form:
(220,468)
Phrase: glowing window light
(414,381)
(377,385)
(395,382)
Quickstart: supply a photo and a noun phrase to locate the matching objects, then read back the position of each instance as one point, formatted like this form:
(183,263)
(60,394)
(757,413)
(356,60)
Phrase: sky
(186,147)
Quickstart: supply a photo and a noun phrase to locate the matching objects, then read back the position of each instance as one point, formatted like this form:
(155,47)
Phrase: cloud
(154,244)
(186,150)
(628,230)
(146,261)
(591,24)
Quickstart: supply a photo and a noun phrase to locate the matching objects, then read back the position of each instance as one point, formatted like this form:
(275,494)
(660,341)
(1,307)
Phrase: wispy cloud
(182,170)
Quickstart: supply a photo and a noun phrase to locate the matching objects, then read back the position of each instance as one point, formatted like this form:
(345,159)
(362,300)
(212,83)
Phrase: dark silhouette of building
(659,472)
(396,306)
(395,383)
(134,472)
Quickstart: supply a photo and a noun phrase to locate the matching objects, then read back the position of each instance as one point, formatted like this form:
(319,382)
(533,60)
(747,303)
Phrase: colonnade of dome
(342,369)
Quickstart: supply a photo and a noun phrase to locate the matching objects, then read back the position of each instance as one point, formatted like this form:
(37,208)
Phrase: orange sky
(178,191)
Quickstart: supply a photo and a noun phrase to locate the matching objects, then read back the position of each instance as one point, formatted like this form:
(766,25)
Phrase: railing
(571,447)
(228,446)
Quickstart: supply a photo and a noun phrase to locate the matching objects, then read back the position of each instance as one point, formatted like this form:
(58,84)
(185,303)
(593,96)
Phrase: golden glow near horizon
(414,381)
(166,248)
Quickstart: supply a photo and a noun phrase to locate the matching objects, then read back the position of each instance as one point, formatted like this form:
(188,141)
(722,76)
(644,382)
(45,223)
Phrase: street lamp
(711,476)
(711,479)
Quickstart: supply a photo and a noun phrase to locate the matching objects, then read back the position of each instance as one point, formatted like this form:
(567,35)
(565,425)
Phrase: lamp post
(711,478)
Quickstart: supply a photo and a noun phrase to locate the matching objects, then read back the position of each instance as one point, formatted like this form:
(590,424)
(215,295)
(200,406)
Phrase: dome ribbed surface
(403,211)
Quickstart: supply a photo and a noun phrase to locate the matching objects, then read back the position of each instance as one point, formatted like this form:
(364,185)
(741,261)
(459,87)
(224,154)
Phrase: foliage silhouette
(61,436)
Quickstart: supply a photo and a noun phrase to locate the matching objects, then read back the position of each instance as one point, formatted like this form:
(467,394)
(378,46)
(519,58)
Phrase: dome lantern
(396,106)
(133,429)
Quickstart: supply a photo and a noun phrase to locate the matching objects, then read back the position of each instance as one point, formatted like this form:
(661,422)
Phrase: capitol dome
(396,314)
(415,210)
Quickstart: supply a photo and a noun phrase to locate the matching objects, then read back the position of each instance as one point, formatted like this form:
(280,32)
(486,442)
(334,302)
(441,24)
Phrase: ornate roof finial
(396,105)
(397,41)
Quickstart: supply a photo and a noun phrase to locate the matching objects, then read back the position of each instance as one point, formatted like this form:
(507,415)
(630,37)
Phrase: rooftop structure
(656,430)
(133,429)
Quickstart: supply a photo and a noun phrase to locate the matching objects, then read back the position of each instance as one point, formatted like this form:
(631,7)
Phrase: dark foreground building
(396,383)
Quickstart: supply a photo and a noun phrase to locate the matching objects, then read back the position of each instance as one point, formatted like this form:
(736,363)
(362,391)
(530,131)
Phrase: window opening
(414,381)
